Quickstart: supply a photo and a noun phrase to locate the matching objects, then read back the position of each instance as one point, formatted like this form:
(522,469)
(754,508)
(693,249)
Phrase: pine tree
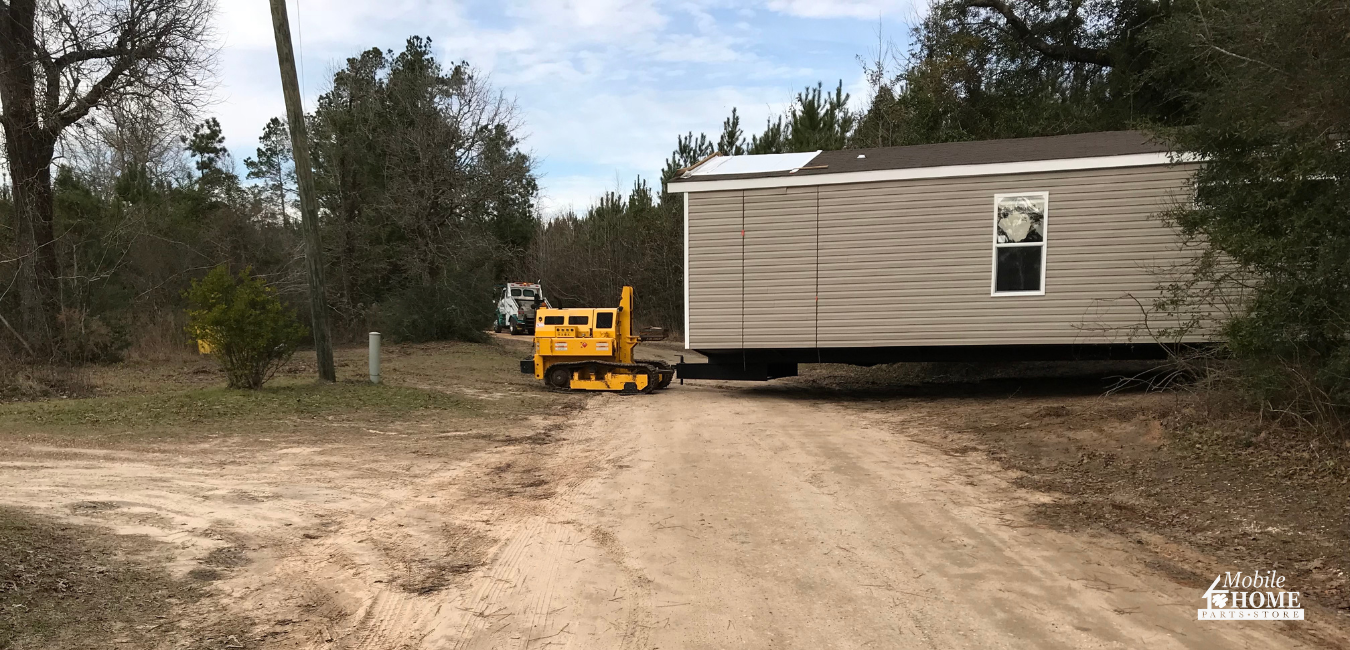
(273,165)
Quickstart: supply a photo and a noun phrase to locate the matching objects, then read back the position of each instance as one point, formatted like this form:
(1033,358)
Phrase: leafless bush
(21,379)
(159,337)
(1197,299)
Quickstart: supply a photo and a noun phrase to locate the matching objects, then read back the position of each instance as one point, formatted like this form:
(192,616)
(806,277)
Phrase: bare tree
(131,142)
(60,60)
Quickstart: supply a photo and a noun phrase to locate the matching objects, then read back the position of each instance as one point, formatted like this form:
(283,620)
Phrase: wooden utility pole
(309,210)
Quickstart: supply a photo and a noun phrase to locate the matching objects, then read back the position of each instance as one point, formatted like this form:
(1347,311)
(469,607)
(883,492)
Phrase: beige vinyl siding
(780,268)
(910,262)
(922,252)
(714,259)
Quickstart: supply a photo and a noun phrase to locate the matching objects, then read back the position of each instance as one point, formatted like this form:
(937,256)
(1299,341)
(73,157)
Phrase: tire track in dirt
(528,589)
(742,516)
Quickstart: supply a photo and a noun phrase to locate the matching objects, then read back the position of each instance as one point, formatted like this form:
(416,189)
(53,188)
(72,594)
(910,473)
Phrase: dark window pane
(578,320)
(604,320)
(515,292)
(553,320)
(1018,268)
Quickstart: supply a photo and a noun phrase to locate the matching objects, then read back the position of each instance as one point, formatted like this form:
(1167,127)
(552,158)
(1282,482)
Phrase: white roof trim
(949,171)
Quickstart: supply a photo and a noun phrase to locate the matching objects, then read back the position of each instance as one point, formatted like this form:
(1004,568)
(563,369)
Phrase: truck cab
(517,303)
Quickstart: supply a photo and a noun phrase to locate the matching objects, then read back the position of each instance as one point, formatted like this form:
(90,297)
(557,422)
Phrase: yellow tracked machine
(592,349)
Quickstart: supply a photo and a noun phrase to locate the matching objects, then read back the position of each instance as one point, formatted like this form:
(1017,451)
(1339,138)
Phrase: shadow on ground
(963,380)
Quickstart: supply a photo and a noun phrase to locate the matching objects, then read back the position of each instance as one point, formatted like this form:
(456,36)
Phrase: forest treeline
(425,195)
(427,198)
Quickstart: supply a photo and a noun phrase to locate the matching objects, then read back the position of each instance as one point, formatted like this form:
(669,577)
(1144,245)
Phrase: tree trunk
(29,145)
(30,160)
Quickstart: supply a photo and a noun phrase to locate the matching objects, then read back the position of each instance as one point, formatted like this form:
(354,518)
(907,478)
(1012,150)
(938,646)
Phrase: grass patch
(299,400)
(65,587)
(445,386)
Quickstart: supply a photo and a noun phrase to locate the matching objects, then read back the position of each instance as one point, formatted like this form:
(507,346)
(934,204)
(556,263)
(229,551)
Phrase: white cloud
(618,137)
(698,49)
(575,192)
(329,23)
(603,86)
(636,131)
(864,9)
(594,20)
(324,32)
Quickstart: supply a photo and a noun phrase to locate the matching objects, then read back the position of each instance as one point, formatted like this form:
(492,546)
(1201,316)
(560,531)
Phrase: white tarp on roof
(760,164)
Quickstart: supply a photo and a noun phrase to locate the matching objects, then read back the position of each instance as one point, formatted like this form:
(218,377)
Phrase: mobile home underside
(876,272)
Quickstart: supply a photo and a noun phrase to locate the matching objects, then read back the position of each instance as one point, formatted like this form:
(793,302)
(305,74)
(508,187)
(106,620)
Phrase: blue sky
(602,86)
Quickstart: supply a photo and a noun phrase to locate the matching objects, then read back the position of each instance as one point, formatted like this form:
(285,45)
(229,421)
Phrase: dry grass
(169,410)
(21,381)
(176,395)
(66,587)
(160,338)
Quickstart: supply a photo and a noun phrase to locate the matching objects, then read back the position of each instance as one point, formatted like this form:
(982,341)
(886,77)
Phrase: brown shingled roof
(1058,147)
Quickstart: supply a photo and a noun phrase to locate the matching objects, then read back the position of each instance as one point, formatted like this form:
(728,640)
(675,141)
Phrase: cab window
(515,293)
(578,320)
(553,320)
(604,320)
(528,293)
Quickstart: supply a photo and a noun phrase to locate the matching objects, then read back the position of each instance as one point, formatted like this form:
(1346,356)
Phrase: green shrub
(245,325)
(1270,119)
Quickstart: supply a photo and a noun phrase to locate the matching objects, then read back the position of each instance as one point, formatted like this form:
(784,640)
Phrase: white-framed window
(1019,244)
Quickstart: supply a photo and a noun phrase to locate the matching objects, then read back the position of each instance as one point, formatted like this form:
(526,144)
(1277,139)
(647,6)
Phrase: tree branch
(80,56)
(1248,59)
(81,107)
(1026,34)
(6,323)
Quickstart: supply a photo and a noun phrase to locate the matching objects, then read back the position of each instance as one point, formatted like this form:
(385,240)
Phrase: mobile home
(1032,248)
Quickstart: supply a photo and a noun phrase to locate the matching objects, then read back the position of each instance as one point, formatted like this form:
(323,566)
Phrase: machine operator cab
(575,323)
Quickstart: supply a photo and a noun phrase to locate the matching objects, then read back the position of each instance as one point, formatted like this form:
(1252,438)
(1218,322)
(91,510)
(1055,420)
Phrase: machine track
(665,372)
(659,373)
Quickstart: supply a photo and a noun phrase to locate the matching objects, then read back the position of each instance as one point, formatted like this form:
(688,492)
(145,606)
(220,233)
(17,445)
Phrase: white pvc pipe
(374,357)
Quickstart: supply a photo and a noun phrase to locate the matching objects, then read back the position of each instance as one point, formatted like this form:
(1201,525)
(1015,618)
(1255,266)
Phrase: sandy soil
(705,516)
(736,518)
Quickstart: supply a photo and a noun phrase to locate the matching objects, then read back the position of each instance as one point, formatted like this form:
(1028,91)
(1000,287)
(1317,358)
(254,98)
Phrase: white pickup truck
(516,304)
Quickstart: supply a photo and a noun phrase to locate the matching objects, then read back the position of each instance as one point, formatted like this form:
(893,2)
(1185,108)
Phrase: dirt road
(735,518)
(708,516)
